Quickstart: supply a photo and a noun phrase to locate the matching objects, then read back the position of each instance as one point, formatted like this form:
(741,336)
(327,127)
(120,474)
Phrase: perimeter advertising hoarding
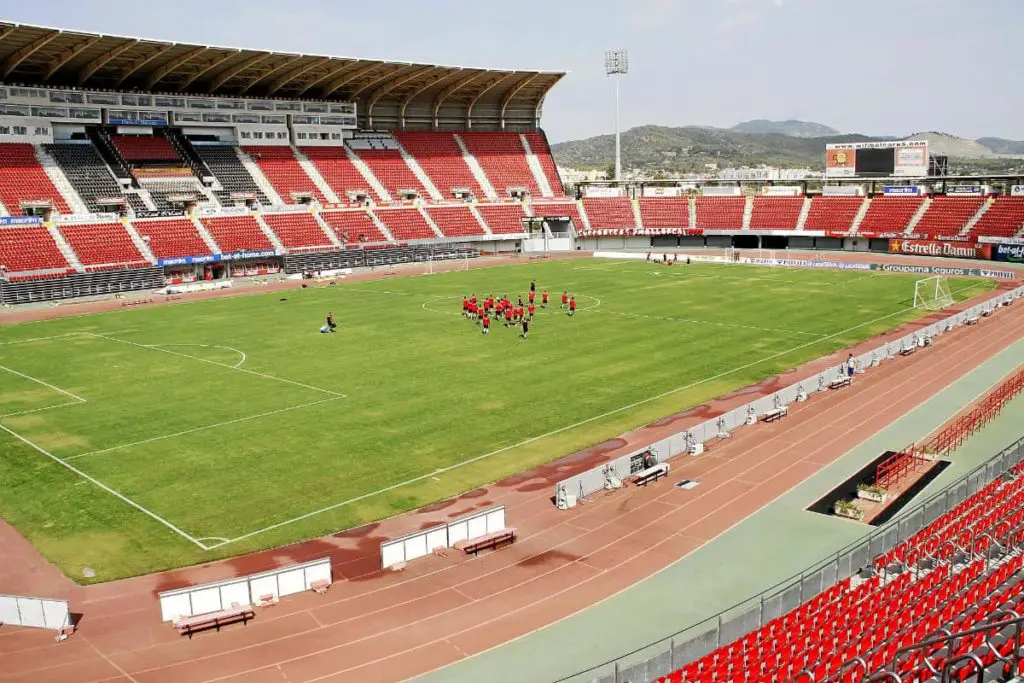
(940,248)
(1011,253)
(1017,191)
(840,161)
(20,220)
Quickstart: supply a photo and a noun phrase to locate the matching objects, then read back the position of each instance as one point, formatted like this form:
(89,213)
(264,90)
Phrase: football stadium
(312,368)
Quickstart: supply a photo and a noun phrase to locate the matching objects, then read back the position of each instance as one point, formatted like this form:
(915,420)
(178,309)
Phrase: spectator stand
(397,552)
(234,594)
(18,610)
(577,488)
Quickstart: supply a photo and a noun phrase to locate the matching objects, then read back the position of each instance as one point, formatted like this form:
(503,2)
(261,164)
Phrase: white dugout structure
(17,610)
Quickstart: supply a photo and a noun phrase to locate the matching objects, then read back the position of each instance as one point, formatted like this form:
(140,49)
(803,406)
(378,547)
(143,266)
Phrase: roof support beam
(512,93)
(66,56)
(161,71)
(390,86)
(423,88)
(129,70)
(207,69)
(339,83)
(476,98)
(332,73)
(7,30)
(280,81)
(95,65)
(451,90)
(256,78)
(12,62)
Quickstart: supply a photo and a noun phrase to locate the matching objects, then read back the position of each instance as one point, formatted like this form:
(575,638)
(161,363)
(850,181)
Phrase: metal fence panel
(791,597)
(829,574)
(634,674)
(810,586)
(698,646)
(741,624)
(659,665)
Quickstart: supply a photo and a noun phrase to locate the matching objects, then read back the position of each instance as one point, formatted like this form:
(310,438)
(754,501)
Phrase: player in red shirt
(472,310)
(533,295)
(486,323)
(572,306)
(508,316)
(531,310)
(465,307)
(544,299)
(565,299)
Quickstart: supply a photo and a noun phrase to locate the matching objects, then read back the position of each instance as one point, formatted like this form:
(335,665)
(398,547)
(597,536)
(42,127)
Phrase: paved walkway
(779,542)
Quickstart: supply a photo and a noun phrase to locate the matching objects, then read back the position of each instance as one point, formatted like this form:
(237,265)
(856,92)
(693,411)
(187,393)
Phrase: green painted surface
(774,545)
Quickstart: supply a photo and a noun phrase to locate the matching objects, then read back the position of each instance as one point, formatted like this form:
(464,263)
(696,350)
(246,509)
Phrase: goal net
(932,293)
(460,262)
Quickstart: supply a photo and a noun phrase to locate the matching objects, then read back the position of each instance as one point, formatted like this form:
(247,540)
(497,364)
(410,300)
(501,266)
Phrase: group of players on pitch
(514,315)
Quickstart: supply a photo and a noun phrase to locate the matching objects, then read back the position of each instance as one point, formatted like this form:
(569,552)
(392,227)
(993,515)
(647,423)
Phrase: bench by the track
(200,622)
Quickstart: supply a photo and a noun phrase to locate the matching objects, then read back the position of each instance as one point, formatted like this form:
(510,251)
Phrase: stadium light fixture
(616,65)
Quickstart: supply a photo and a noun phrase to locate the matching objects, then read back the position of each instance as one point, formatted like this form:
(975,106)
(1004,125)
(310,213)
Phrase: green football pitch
(147,439)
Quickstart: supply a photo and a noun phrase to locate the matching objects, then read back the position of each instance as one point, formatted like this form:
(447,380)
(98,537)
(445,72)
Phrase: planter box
(849,512)
(872,496)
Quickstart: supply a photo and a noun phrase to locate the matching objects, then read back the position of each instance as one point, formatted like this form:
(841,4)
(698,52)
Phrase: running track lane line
(654,500)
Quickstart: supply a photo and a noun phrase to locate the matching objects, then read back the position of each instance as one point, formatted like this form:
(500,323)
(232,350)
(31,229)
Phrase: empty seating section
(873,618)
(455,221)
(720,213)
(889,214)
(610,213)
(503,159)
(394,174)
(406,224)
(141,148)
(88,174)
(503,219)
(559,209)
(161,192)
(833,213)
(539,147)
(22,179)
(29,249)
(947,215)
(103,244)
(1004,218)
(353,227)
(441,158)
(283,171)
(776,213)
(665,212)
(339,172)
(298,230)
(171,237)
(225,165)
(237,233)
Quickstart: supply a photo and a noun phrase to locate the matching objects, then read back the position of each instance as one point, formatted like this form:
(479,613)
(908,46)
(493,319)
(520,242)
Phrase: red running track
(388,627)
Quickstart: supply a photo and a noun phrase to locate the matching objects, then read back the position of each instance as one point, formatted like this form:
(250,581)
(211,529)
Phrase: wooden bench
(320,586)
(775,414)
(841,382)
(235,613)
(654,473)
(908,351)
(973,320)
(987,312)
(491,540)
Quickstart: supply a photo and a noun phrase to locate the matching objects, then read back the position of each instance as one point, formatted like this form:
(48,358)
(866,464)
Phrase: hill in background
(795,129)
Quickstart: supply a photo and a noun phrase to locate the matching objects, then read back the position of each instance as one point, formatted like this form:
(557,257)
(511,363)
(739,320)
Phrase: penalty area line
(561,430)
(120,496)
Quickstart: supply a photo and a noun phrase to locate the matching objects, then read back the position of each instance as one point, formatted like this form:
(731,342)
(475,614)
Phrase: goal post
(932,293)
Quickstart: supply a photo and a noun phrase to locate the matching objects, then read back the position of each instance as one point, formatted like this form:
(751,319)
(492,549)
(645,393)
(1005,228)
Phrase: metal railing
(688,644)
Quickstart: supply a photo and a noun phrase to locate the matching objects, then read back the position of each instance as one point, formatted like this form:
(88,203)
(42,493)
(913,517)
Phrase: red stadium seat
(22,179)
(947,216)
(284,172)
(140,148)
(776,213)
(720,213)
(455,221)
(833,213)
(503,219)
(29,248)
(406,223)
(1003,218)
(106,244)
(503,159)
(353,226)
(665,212)
(172,237)
(610,213)
(339,171)
(237,233)
(393,172)
(298,231)
(440,157)
(890,214)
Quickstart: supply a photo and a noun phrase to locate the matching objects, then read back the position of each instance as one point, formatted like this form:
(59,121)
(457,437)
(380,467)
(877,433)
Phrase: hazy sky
(870,66)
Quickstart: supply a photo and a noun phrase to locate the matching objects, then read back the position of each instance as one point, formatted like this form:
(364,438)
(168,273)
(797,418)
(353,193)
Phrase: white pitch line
(78,400)
(566,428)
(221,365)
(35,339)
(100,484)
(206,346)
(203,428)
(709,322)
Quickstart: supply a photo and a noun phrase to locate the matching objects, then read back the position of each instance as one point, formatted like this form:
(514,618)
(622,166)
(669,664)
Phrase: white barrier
(421,543)
(195,287)
(18,610)
(245,590)
(600,477)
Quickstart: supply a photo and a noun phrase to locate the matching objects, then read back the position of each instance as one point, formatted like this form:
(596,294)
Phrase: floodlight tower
(616,64)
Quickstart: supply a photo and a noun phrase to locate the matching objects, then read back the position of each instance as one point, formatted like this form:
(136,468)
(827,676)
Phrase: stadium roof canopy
(394,93)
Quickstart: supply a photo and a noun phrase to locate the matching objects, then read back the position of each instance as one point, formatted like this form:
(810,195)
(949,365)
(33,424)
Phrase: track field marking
(76,400)
(555,432)
(203,428)
(120,496)
(222,365)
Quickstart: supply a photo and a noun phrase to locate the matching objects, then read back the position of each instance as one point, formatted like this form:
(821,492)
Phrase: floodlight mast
(616,64)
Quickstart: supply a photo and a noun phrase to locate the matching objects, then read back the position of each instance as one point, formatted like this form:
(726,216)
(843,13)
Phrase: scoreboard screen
(875,162)
(896,159)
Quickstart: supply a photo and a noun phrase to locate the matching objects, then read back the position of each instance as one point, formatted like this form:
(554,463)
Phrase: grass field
(148,439)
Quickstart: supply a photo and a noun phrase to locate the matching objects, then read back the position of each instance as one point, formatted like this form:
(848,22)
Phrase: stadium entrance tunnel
(847,491)
(774,242)
(746,241)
